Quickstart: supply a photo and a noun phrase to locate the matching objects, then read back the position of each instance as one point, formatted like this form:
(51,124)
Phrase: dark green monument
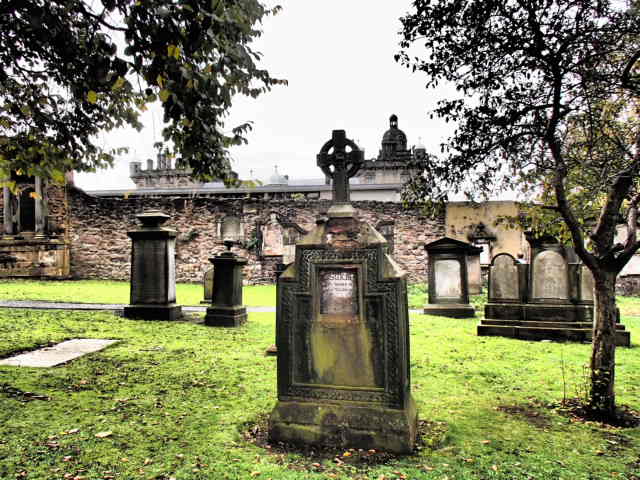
(153,270)
(342,330)
(226,308)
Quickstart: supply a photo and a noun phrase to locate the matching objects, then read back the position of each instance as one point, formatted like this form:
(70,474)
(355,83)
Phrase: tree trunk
(602,395)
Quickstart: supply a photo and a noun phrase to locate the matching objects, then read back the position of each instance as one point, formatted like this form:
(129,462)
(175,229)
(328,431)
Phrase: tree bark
(602,396)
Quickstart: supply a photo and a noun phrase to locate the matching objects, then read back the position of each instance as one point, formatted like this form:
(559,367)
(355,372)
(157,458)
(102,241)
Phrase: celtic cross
(339,164)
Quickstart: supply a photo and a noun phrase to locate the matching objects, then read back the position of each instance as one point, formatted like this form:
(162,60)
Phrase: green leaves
(173,51)
(164,95)
(64,79)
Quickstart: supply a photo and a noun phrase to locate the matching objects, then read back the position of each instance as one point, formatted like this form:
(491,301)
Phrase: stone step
(623,337)
(551,324)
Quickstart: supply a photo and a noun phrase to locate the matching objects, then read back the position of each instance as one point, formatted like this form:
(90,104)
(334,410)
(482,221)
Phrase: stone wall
(100,247)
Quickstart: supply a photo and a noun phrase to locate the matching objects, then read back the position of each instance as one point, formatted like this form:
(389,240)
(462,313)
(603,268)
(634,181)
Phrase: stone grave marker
(57,354)
(342,330)
(153,270)
(504,279)
(226,308)
(550,277)
(551,299)
(586,285)
(474,273)
(448,288)
(207,285)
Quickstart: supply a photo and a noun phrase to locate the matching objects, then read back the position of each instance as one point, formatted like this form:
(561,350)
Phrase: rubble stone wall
(100,247)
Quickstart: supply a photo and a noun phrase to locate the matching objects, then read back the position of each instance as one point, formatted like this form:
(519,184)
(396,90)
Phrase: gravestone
(448,288)
(226,308)
(474,273)
(153,270)
(342,330)
(207,286)
(551,299)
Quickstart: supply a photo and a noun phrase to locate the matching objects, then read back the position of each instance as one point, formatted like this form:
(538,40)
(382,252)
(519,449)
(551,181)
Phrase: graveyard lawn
(174,400)
(105,291)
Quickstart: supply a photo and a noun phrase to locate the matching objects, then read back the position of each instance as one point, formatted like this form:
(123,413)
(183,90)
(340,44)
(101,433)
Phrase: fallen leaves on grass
(104,434)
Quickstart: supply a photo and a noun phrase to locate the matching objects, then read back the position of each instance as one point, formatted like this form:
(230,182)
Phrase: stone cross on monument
(339,164)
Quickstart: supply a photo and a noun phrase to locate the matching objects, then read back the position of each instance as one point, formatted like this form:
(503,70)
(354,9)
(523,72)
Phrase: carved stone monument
(226,309)
(551,299)
(448,278)
(207,286)
(342,330)
(153,270)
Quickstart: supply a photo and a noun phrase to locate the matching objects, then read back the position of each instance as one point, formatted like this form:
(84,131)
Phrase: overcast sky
(338,58)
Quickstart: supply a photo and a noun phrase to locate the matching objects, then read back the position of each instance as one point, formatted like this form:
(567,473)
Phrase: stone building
(61,231)
(33,242)
(160,175)
(393,164)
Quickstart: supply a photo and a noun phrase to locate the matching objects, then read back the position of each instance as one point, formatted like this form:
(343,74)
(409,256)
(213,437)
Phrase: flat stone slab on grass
(57,354)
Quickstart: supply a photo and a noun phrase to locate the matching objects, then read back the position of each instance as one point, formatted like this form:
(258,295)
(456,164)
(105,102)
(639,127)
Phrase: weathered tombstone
(226,308)
(474,273)
(586,285)
(153,270)
(207,286)
(448,278)
(507,287)
(343,331)
(230,228)
(551,299)
(504,279)
(550,277)
(272,237)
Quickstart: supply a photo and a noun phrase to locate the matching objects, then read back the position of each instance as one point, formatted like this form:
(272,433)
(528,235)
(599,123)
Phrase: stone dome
(394,140)
(277,179)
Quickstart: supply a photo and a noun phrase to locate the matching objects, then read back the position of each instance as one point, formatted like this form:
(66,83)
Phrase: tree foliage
(70,69)
(546,97)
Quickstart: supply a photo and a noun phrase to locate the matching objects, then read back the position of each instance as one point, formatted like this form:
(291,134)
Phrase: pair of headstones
(551,298)
(153,282)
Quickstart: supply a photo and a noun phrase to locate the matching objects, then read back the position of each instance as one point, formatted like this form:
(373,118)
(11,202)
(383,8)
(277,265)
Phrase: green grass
(104,291)
(417,293)
(176,397)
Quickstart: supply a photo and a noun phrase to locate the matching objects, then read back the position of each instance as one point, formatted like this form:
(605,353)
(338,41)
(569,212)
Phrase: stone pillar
(227,309)
(8,213)
(39,211)
(153,270)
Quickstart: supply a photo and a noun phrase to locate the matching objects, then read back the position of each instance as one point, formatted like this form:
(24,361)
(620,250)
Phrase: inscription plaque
(448,279)
(149,270)
(550,276)
(339,293)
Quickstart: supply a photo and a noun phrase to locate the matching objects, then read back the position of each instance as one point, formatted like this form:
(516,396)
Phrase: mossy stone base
(345,425)
(225,316)
(153,312)
(453,310)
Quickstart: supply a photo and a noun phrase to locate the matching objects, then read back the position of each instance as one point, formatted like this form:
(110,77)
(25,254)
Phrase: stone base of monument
(560,331)
(225,316)
(546,312)
(342,425)
(562,322)
(454,310)
(153,312)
